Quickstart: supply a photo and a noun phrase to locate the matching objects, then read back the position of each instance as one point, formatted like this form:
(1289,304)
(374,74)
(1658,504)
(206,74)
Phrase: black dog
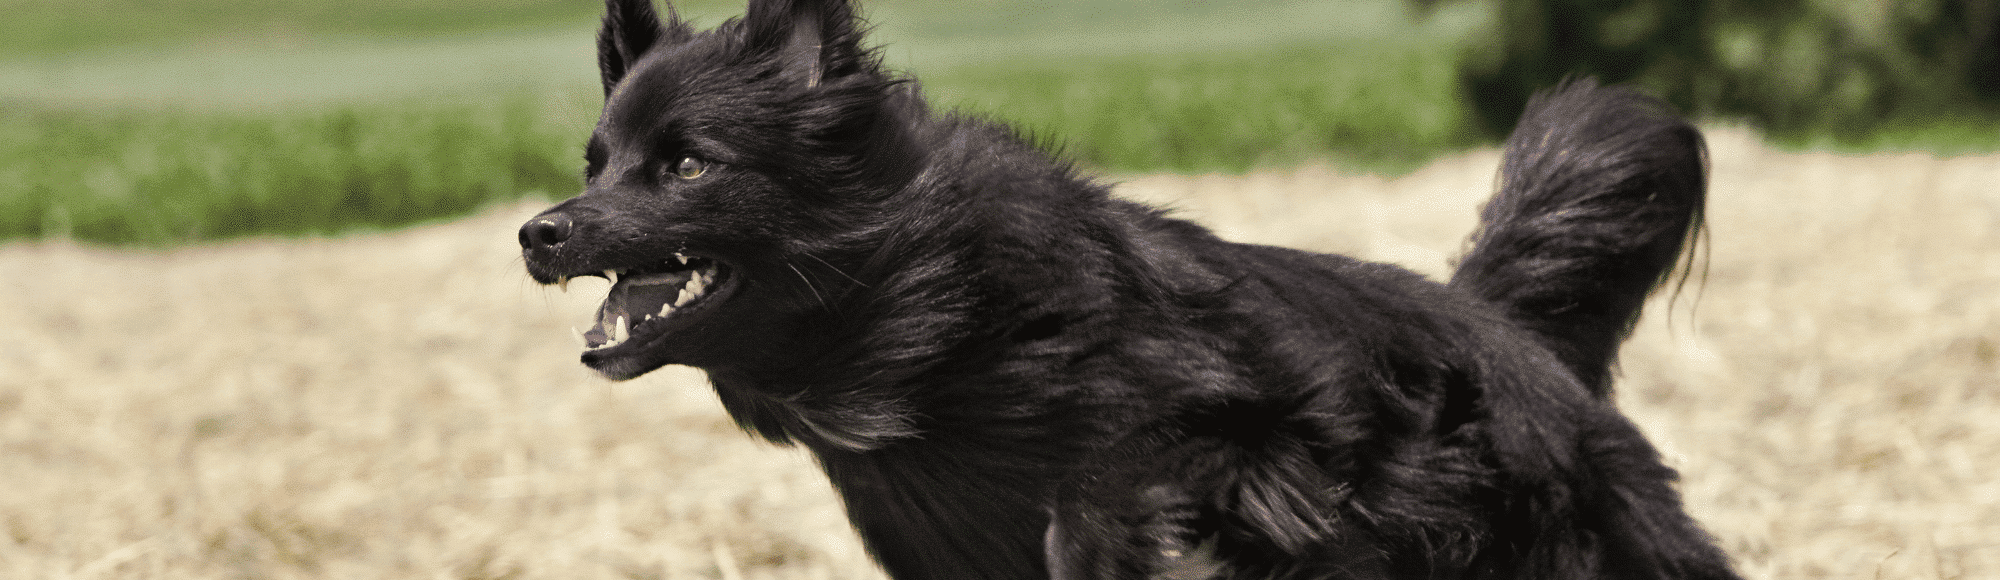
(1010,374)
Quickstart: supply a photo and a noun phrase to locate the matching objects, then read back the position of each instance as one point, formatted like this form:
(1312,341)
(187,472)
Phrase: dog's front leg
(1171,506)
(1154,534)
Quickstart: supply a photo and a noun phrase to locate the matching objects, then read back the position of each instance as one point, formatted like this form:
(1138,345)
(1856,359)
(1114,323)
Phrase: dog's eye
(691,167)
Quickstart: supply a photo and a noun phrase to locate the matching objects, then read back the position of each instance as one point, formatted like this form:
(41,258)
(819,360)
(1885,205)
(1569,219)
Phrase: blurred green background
(151,122)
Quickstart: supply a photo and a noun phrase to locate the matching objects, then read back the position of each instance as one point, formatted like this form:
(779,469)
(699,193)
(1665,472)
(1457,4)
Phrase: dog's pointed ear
(632,27)
(815,40)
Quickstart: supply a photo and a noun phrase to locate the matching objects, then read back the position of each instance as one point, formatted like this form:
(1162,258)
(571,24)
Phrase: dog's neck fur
(946,446)
(940,279)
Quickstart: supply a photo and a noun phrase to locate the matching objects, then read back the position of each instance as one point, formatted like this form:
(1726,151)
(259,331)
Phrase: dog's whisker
(836,270)
(809,285)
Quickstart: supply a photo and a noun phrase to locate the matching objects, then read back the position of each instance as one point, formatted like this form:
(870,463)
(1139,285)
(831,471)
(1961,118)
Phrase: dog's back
(1488,448)
(1601,193)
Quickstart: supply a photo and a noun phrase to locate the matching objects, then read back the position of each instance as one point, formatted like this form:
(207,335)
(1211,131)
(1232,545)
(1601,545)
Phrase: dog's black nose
(545,231)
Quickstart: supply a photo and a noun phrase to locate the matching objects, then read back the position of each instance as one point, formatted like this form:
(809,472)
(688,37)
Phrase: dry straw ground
(408,405)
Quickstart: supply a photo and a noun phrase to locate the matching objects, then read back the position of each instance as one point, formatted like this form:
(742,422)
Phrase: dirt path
(408,404)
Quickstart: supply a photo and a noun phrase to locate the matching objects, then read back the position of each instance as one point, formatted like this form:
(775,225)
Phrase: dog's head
(729,170)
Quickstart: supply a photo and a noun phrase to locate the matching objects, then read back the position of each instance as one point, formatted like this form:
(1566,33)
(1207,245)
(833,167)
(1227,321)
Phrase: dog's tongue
(634,299)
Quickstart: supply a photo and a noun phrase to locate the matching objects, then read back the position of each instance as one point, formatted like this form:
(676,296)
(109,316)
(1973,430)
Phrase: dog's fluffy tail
(1601,195)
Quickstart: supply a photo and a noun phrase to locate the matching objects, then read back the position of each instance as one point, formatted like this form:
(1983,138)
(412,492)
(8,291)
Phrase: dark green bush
(1792,67)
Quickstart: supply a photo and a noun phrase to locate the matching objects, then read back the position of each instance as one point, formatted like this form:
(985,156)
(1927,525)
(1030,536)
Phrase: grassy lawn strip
(165,176)
(150,178)
(42,28)
(398,130)
(1364,106)
(1943,133)
(341,132)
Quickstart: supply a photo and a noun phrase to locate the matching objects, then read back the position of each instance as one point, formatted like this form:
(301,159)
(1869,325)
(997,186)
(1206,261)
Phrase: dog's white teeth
(563,284)
(611,275)
(680,258)
(697,284)
(620,332)
(666,309)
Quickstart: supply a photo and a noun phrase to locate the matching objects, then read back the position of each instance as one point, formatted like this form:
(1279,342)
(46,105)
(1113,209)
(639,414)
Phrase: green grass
(56,27)
(133,176)
(132,122)
(322,134)
(1229,111)
(1963,132)
(153,175)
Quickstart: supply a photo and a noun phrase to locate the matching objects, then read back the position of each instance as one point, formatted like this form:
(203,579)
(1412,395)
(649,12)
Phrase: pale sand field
(408,405)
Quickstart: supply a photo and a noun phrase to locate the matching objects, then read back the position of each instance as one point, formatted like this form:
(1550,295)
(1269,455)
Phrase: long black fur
(1600,192)
(1008,373)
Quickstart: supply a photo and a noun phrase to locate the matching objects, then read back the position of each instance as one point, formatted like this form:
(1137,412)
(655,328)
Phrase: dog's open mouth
(645,302)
